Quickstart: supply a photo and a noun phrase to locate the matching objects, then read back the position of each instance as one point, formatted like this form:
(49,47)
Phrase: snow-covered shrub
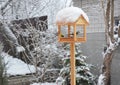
(42,50)
(83,74)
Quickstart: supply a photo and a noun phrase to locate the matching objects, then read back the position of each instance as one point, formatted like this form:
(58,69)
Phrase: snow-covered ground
(44,84)
(15,66)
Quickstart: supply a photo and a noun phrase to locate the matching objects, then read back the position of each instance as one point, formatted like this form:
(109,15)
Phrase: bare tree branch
(5,5)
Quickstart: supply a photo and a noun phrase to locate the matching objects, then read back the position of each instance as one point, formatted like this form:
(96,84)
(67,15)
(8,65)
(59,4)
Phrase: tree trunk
(119,32)
(107,19)
(108,52)
(106,70)
(112,21)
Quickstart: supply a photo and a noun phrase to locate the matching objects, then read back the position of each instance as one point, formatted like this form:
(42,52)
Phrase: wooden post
(72,63)
(69,31)
(75,32)
(84,32)
(59,32)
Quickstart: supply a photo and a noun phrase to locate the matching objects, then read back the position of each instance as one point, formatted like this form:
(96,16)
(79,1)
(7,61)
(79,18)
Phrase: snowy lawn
(44,84)
(16,66)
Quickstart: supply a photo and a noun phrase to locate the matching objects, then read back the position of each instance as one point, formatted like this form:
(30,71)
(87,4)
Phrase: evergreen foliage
(83,74)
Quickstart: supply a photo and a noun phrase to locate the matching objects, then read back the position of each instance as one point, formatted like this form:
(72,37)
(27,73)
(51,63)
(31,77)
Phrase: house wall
(117,8)
(95,13)
(117,12)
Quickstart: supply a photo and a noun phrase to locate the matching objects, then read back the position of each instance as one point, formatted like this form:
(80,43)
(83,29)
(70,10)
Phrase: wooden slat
(59,32)
(82,39)
(68,30)
(81,20)
(66,39)
(84,32)
(75,32)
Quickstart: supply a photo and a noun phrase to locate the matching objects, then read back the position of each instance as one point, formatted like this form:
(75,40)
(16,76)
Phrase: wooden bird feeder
(72,31)
(72,22)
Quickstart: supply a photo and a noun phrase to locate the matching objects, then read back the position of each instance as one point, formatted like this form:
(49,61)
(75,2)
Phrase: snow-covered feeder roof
(72,15)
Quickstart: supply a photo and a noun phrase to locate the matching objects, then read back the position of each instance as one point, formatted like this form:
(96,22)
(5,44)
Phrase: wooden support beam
(72,64)
(59,32)
(84,32)
(80,39)
(75,32)
(68,31)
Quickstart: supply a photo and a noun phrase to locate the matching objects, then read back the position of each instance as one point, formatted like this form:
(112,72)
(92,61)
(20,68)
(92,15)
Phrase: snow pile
(20,49)
(70,14)
(16,67)
(101,80)
(43,84)
(116,36)
(112,46)
(118,40)
(59,80)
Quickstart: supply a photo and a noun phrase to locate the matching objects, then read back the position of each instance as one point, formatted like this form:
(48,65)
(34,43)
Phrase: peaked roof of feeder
(71,15)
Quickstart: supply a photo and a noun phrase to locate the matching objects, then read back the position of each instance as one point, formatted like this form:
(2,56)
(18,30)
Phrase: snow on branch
(101,80)
(20,49)
(5,29)
(5,5)
(113,45)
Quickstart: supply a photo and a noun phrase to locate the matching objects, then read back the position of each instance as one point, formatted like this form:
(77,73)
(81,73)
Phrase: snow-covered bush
(83,74)
(42,50)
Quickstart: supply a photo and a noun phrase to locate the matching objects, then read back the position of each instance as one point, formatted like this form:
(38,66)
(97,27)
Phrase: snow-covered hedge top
(70,14)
